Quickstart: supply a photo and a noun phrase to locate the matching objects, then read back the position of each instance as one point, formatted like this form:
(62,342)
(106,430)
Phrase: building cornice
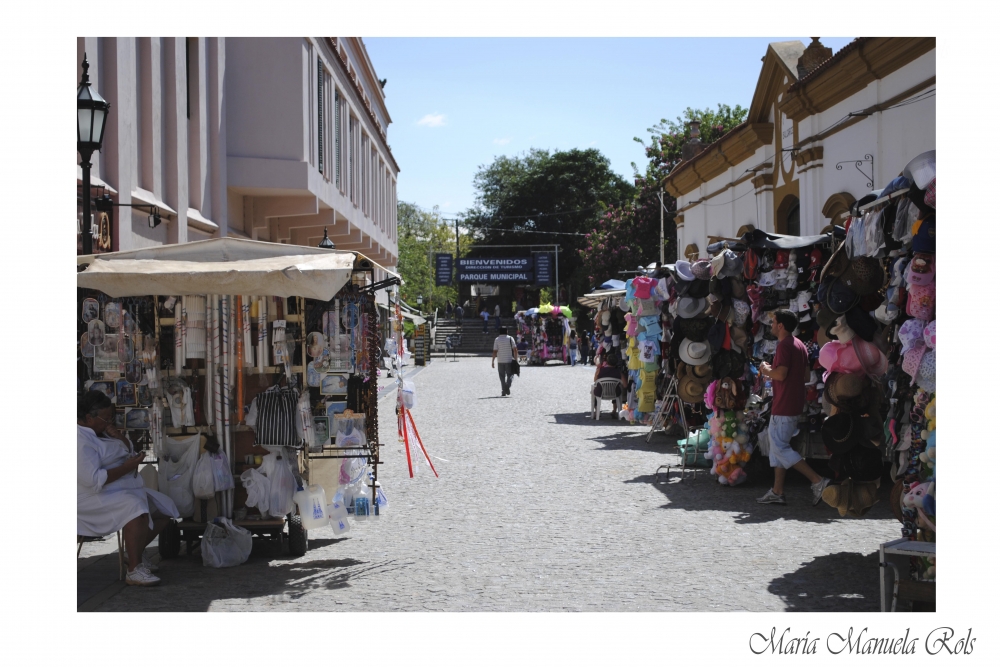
(351,76)
(804,157)
(728,151)
(850,71)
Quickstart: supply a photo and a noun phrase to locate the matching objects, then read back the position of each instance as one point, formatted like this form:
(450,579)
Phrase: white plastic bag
(149,478)
(203,480)
(282,481)
(222,473)
(225,545)
(409,394)
(176,469)
(258,489)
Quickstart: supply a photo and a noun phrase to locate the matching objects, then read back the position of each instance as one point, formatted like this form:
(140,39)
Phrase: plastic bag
(203,480)
(258,489)
(222,473)
(176,468)
(149,478)
(283,485)
(409,394)
(225,545)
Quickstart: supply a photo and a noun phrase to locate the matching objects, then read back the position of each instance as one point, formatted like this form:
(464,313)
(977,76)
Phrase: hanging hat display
(694,353)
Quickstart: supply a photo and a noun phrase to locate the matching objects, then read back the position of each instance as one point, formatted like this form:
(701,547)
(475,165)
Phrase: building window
(320,76)
(336,137)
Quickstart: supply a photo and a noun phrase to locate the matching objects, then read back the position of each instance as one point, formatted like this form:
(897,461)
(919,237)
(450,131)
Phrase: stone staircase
(474,341)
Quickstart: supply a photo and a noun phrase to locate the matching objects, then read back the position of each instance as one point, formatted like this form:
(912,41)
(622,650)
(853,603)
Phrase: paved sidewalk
(539,508)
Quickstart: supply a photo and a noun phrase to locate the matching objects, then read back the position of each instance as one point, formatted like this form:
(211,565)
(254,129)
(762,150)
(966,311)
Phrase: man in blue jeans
(788,379)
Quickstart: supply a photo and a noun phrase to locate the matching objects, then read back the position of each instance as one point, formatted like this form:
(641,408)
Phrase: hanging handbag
(515,365)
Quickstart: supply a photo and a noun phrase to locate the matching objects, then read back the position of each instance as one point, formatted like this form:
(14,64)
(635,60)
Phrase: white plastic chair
(609,392)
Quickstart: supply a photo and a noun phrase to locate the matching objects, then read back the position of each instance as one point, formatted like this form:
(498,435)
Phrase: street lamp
(326,242)
(91,117)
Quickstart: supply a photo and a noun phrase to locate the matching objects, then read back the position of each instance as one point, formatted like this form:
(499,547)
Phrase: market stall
(546,331)
(261,359)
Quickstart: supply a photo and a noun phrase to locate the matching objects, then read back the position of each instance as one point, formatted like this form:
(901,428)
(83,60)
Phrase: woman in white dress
(109,495)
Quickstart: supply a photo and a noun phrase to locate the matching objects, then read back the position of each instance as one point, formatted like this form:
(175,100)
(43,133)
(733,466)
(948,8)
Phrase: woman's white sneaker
(140,576)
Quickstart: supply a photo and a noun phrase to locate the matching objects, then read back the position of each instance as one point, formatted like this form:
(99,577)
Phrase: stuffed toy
(914,497)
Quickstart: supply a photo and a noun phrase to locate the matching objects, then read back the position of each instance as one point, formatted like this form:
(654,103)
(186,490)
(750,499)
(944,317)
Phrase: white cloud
(501,142)
(432,120)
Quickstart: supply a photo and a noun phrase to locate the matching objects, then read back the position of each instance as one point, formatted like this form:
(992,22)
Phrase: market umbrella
(545,309)
(612,284)
(562,310)
(531,311)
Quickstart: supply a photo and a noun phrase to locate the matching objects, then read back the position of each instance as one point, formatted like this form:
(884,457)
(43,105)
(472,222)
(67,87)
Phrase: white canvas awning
(220,266)
(594,299)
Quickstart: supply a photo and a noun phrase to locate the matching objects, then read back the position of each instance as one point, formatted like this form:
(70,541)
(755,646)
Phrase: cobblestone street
(539,508)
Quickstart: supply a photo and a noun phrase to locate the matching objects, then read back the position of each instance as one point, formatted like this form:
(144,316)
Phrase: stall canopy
(220,266)
(758,238)
(594,299)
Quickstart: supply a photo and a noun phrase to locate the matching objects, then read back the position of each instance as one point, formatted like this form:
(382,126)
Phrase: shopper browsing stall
(788,378)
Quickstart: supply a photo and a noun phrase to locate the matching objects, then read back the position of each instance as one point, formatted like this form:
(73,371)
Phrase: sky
(457,103)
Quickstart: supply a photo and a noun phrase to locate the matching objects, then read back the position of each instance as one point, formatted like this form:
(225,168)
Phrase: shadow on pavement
(704,493)
(659,443)
(835,582)
(187,585)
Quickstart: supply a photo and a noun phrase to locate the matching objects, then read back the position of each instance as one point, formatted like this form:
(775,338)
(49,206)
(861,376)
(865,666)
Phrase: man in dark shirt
(788,380)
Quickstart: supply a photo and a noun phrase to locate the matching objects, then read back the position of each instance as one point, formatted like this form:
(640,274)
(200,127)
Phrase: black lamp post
(326,242)
(91,116)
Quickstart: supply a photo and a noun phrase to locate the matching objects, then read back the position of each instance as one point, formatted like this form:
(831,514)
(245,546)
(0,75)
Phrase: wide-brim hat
(738,287)
(694,353)
(922,169)
(720,287)
(837,264)
(873,360)
(693,329)
(896,499)
(703,372)
(698,289)
(840,298)
(838,496)
(691,389)
(739,338)
(840,387)
(863,464)
(840,433)
(728,363)
(864,275)
(863,495)
(861,323)
(682,269)
(690,308)
(702,269)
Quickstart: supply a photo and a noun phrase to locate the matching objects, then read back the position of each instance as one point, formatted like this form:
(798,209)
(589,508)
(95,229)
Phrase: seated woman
(109,495)
(522,346)
(608,366)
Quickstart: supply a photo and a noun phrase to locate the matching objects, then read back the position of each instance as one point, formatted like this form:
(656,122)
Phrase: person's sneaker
(146,563)
(817,489)
(771,498)
(140,576)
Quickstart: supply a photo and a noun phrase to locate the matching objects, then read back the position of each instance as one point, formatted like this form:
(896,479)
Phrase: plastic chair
(610,388)
(122,566)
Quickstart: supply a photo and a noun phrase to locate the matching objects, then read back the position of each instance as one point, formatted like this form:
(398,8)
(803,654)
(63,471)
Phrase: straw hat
(863,495)
(838,497)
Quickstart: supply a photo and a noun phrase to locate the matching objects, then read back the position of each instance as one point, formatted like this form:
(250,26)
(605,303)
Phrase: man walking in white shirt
(504,353)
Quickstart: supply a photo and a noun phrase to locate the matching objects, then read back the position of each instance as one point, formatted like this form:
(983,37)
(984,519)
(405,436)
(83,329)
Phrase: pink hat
(921,270)
(910,332)
(872,359)
(930,334)
(837,357)
(911,360)
(921,302)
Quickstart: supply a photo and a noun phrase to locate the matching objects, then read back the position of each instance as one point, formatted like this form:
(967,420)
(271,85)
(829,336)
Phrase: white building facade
(823,130)
(276,139)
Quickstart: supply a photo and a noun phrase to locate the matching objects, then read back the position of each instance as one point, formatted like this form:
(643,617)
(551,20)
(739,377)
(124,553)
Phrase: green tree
(628,235)
(543,197)
(421,235)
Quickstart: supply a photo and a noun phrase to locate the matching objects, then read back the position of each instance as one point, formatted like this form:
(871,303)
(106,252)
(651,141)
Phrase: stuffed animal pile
(728,449)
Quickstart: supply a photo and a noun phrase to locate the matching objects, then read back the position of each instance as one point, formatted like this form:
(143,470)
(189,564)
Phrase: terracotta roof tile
(829,62)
